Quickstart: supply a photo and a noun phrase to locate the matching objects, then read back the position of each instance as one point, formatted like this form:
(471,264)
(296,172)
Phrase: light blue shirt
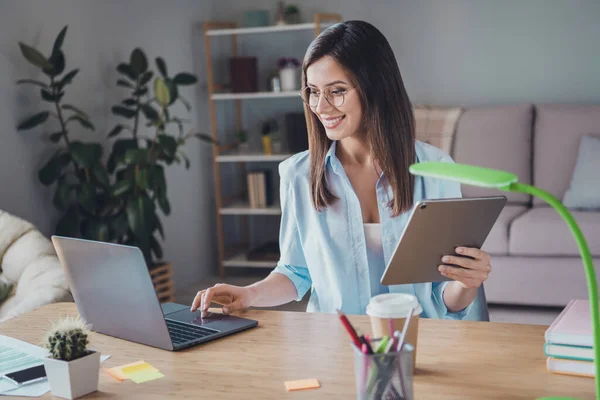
(325,252)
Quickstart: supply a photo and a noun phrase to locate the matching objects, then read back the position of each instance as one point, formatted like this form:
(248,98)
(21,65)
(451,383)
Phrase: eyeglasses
(334,96)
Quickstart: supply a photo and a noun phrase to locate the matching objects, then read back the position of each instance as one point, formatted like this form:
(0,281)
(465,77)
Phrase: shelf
(252,157)
(255,95)
(241,260)
(266,29)
(243,208)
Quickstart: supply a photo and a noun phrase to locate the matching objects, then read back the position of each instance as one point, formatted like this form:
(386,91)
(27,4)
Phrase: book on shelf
(260,189)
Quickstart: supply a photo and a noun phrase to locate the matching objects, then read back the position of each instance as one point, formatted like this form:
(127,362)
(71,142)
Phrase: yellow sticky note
(135,368)
(302,384)
(118,372)
(146,375)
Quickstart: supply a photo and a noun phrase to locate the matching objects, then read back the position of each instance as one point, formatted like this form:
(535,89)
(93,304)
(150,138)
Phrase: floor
(498,313)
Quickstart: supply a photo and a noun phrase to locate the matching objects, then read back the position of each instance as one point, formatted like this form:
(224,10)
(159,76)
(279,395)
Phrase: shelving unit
(227,153)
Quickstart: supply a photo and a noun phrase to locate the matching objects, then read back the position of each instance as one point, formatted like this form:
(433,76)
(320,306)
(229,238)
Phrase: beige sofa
(30,264)
(534,257)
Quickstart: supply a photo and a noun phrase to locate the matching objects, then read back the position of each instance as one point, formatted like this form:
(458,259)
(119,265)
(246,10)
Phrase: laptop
(114,293)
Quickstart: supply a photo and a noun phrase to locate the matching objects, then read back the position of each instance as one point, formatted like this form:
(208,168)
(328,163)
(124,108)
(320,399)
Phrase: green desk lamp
(506,181)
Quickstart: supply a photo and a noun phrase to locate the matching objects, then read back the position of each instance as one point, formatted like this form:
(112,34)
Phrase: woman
(345,201)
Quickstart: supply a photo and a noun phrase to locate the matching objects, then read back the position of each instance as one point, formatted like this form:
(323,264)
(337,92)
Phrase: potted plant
(292,14)
(72,369)
(242,141)
(289,73)
(118,202)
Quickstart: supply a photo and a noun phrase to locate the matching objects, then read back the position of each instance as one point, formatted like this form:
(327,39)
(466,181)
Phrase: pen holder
(384,375)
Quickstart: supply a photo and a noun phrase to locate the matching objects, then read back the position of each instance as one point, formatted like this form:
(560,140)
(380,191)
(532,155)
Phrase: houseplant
(72,369)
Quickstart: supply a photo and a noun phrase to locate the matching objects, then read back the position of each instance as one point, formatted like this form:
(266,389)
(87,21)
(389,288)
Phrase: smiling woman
(345,201)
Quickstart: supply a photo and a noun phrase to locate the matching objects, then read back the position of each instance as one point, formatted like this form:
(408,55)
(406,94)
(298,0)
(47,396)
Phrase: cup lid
(393,305)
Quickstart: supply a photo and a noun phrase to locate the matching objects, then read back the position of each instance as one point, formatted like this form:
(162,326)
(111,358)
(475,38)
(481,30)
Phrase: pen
(405,329)
(350,329)
(365,342)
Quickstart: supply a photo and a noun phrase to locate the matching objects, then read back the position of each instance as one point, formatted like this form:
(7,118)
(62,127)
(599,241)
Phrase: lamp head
(466,174)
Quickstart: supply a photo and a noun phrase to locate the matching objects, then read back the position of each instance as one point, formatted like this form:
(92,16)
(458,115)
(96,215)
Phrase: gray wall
(101,34)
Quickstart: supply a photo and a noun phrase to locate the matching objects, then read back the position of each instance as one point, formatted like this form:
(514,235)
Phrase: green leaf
(164,204)
(82,121)
(118,153)
(150,113)
(145,78)
(119,225)
(161,91)
(126,70)
(57,61)
(76,110)
(61,196)
(121,82)
(52,170)
(140,92)
(138,61)
(115,131)
(33,121)
(123,112)
(121,188)
(101,175)
(139,211)
(157,181)
(94,229)
(136,156)
(56,136)
(173,91)
(87,197)
(34,57)
(186,159)
(33,82)
(168,146)
(185,102)
(160,228)
(183,78)
(48,96)
(162,67)
(155,246)
(85,155)
(204,137)
(68,225)
(141,178)
(129,102)
(68,78)
(59,41)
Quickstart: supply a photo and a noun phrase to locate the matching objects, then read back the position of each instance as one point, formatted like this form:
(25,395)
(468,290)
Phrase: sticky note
(118,373)
(146,375)
(127,370)
(302,384)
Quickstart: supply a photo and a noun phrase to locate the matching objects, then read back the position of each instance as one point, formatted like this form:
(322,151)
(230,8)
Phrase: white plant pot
(290,79)
(73,379)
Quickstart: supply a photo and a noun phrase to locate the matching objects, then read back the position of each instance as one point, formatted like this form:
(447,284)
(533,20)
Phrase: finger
(197,300)
(476,253)
(460,261)
(218,293)
(234,306)
(460,274)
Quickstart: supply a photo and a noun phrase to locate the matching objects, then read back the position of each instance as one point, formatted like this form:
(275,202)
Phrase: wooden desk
(456,360)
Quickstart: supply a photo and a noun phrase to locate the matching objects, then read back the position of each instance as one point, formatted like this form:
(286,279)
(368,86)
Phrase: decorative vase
(290,79)
(162,279)
(73,379)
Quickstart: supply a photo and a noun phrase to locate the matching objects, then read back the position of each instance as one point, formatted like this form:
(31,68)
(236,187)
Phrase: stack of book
(260,189)
(569,341)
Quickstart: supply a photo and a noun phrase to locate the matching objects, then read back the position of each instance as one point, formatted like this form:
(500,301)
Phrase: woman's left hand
(475,271)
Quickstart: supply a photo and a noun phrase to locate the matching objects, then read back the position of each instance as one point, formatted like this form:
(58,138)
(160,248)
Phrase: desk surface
(456,360)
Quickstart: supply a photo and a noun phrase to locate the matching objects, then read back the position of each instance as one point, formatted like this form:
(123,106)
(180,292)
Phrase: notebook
(572,326)
(570,367)
(580,353)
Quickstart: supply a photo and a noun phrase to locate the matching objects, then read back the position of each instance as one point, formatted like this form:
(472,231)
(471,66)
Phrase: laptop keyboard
(181,333)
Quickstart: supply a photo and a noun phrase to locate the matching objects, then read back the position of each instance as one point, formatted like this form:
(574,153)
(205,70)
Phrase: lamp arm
(588,264)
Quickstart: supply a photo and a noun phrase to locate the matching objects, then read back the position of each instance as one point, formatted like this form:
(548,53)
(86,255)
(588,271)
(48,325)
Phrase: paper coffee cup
(395,306)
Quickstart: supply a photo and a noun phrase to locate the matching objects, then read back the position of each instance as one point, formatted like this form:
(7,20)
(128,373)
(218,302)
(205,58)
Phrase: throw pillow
(584,190)
(5,288)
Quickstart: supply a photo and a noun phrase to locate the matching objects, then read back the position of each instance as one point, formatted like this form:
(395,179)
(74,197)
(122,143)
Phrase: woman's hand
(231,298)
(475,270)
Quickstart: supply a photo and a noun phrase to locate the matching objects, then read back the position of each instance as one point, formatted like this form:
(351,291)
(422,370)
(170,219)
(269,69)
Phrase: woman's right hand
(232,298)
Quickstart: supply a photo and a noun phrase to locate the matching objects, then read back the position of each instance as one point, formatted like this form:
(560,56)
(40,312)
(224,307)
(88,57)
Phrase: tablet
(434,229)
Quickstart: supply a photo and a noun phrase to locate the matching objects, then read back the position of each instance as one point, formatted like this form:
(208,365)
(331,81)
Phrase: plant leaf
(157,181)
(57,61)
(129,102)
(101,175)
(138,209)
(205,138)
(84,122)
(140,92)
(68,78)
(185,159)
(145,78)
(61,196)
(155,246)
(121,187)
(160,228)
(164,204)
(52,170)
(162,67)
(126,70)
(68,225)
(136,156)
(122,82)
(56,136)
(75,109)
(141,178)
(123,112)
(185,102)
(33,82)
(168,145)
(150,113)
(59,41)
(85,155)
(119,226)
(118,152)
(95,229)
(184,78)
(34,57)
(47,96)
(138,61)
(33,121)
(173,91)
(161,91)
(115,131)
(86,197)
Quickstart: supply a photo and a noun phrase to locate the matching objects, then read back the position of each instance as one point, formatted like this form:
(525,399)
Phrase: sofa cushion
(496,137)
(584,188)
(497,240)
(557,132)
(542,232)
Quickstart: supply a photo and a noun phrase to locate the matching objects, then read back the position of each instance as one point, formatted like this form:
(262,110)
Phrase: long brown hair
(365,54)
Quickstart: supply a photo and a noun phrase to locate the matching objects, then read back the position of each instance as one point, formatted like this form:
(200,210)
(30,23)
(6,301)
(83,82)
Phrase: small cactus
(67,339)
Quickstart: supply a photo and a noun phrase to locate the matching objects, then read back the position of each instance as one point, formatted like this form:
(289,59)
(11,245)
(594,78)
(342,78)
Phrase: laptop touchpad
(194,318)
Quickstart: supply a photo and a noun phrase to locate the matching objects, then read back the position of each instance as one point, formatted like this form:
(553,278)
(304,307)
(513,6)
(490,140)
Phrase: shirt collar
(332,159)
